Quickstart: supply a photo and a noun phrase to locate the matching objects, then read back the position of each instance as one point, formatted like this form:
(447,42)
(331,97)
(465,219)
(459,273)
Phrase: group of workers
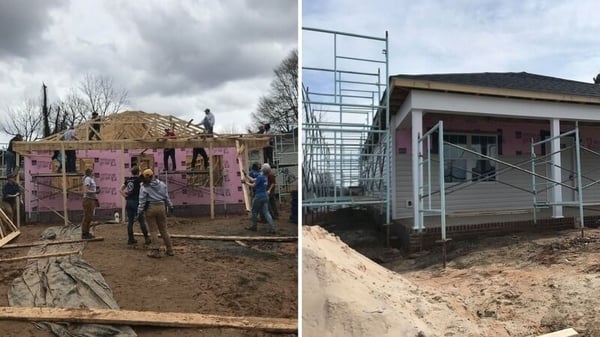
(147,198)
(147,201)
(264,201)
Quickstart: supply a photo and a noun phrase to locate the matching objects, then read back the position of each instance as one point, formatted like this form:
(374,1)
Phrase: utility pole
(45,110)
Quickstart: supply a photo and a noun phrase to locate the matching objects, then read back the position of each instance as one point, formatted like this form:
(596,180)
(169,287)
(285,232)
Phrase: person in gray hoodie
(154,201)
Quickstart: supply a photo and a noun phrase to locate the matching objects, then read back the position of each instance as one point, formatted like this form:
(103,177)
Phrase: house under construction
(469,154)
(137,138)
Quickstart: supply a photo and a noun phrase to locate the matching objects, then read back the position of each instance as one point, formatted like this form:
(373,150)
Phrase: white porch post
(557,210)
(416,132)
(394,153)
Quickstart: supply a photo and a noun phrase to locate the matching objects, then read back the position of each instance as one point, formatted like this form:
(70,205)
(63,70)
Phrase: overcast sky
(554,38)
(174,57)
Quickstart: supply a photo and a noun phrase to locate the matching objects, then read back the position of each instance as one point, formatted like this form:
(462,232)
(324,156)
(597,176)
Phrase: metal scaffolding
(346,136)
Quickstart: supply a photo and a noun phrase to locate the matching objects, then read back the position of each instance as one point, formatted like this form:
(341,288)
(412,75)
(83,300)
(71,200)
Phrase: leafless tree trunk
(45,111)
(280,106)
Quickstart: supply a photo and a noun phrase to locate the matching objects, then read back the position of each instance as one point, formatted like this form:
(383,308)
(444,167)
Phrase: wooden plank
(148,143)
(64,187)
(241,243)
(41,256)
(245,187)
(48,242)
(7,219)
(148,318)
(570,332)
(232,238)
(9,237)
(211,183)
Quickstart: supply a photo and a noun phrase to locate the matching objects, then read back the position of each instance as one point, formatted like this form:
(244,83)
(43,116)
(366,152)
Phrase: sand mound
(346,294)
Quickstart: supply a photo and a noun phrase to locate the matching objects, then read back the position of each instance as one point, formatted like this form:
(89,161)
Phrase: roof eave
(500,92)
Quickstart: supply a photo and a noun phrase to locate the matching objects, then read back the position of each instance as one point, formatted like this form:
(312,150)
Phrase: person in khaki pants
(153,199)
(90,201)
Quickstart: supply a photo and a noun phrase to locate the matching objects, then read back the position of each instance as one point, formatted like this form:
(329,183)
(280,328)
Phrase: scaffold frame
(346,133)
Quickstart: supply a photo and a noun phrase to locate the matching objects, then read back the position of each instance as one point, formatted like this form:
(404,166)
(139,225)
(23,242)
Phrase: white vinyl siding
(477,196)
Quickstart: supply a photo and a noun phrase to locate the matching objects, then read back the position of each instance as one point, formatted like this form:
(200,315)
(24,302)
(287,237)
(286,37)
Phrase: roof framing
(140,130)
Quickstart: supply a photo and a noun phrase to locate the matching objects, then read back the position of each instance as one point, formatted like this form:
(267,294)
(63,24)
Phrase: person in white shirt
(90,202)
(208,122)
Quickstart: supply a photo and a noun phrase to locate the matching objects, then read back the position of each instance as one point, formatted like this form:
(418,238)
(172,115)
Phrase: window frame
(472,161)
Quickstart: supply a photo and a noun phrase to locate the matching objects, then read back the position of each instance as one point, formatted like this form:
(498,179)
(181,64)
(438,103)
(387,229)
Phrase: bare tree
(100,95)
(280,106)
(71,110)
(24,120)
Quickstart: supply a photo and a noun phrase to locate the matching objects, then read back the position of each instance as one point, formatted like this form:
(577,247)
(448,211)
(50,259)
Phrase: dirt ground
(208,277)
(515,285)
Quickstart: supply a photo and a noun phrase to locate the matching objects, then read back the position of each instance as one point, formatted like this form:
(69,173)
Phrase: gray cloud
(22,24)
(554,38)
(173,57)
(200,45)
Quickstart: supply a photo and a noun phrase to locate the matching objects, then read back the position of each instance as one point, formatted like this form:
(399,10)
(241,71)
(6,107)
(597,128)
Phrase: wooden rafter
(140,130)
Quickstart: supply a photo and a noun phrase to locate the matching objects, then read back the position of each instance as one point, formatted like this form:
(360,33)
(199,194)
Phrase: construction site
(222,280)
(446,204)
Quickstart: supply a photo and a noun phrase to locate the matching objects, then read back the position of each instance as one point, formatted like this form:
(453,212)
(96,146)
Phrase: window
(460,165)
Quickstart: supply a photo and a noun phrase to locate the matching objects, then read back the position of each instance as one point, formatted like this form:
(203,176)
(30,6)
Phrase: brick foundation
(412,240)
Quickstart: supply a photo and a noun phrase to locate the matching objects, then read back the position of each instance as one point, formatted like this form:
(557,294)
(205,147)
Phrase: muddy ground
(516,285)
(208,277)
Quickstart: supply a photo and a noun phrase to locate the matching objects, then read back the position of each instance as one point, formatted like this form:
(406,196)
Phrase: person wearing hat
(208,122)
(153,199)
(10,155)
(131,191)
(89,202)
(169,153)
(260,203)
(95,130)
(10,195)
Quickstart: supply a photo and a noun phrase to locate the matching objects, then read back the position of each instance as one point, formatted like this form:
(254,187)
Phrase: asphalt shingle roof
(516,81)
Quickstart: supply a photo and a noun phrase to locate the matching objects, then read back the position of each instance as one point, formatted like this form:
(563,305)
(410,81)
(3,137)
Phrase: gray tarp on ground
(65,282)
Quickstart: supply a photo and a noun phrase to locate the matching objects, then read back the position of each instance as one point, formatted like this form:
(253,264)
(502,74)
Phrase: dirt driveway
(209,277)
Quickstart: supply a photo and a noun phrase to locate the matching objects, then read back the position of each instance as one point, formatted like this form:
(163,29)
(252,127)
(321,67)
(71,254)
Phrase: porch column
(394,153)
(416,132)
(557,210)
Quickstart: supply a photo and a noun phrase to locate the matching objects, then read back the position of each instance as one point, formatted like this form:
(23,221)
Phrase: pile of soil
(521,285)
(347,294)
(208,277)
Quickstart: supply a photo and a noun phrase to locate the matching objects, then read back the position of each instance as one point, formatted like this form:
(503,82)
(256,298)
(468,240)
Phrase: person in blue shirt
(254,172)
(260,203)
(10,195)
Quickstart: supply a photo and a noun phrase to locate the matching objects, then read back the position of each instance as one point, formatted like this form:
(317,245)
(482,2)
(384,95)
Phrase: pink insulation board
(111,167)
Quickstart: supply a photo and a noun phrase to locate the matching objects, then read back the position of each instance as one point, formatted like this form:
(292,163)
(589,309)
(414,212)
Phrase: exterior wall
(111,167)
(493,195)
